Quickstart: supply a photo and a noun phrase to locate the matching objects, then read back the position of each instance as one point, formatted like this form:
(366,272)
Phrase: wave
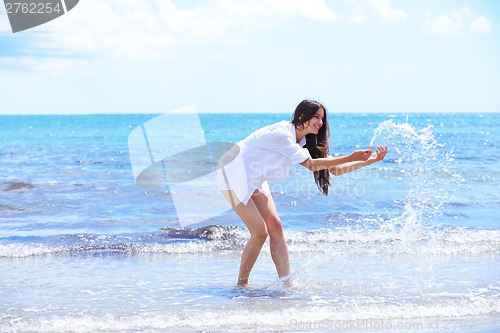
(475,314)
(216,239)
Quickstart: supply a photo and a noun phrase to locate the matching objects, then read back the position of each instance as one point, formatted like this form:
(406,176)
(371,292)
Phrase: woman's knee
(274,226)
(259,235)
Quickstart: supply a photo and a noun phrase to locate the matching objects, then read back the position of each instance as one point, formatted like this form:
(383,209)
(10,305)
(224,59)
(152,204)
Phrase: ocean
(410,244)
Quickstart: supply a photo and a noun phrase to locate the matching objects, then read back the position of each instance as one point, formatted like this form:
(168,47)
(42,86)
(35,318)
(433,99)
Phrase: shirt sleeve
(283,143)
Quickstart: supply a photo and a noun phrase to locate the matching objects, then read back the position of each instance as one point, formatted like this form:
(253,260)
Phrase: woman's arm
(316,164)
(341,169)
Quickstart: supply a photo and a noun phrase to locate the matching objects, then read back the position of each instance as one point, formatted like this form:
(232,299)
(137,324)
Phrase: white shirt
(266,154)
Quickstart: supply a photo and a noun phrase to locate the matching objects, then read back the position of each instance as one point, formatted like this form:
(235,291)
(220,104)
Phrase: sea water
(408,244)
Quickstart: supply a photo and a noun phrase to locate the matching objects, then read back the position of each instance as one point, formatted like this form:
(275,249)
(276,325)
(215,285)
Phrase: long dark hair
(317,144)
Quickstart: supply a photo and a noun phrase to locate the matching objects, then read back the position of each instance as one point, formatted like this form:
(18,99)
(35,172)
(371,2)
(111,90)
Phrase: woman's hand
(378,155)
(362,161)
(361,155)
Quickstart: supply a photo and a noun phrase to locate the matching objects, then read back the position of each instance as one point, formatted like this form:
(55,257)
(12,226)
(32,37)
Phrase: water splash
(423,167)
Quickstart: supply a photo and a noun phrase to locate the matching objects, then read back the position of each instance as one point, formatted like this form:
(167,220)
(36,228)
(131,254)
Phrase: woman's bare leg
(279,249)
(252,218)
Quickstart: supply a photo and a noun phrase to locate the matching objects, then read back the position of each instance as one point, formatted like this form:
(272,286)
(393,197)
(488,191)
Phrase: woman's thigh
(267,209)
(248,213)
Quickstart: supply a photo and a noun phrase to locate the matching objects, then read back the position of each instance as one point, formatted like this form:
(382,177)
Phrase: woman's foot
(246,286)
(243,282)
(287,282)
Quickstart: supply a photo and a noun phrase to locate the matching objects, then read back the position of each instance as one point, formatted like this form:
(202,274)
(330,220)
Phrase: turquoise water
(409,244)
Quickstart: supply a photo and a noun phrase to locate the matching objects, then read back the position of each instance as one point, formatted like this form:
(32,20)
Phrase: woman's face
(313,125)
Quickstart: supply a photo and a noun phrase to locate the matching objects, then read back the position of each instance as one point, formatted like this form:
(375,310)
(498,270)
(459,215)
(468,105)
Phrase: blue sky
(146,56)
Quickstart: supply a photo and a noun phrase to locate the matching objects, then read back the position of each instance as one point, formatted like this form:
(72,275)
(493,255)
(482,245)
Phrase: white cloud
(455,24)
(312,9)
(359,12)
(149,29)
(363,11)
(445,25)
(383,10)
(480,25)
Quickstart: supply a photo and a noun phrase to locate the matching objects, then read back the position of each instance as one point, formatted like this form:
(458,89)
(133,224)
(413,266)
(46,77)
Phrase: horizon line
(242,112)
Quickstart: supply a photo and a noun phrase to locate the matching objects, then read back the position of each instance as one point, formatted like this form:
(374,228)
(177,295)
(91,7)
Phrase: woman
(268,154)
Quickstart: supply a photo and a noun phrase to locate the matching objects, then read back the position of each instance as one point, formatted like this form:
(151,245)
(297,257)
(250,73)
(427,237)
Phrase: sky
(154,56)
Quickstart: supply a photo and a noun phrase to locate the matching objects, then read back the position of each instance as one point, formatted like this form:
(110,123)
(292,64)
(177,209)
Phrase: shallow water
(411,244)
